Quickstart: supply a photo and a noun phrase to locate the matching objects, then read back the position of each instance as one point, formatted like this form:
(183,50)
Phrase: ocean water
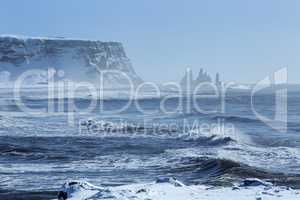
(40,151)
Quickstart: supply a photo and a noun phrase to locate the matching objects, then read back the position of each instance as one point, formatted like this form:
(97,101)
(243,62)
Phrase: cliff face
(80,60)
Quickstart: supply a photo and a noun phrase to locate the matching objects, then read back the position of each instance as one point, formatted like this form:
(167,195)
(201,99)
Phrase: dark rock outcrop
(80,60)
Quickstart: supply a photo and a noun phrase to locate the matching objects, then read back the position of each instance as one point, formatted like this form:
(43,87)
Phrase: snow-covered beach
(171,189)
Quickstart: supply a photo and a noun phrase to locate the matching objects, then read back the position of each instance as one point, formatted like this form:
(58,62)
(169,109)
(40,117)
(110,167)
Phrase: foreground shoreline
(172,189)
(159,191)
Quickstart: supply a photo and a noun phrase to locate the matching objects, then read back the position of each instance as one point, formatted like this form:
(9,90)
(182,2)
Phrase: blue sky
(243,40)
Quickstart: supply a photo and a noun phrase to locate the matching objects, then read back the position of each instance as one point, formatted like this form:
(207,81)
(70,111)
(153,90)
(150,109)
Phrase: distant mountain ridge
(80,60)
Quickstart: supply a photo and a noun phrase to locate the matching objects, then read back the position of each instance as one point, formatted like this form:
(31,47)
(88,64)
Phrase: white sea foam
(170,190)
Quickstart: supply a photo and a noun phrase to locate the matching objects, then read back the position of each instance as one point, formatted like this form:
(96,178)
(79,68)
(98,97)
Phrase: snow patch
(164,189)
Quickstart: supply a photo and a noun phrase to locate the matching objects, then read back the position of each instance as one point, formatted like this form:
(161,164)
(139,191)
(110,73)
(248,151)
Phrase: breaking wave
(207,170)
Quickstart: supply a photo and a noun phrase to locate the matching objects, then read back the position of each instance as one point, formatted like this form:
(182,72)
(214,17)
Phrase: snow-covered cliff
(79,60)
